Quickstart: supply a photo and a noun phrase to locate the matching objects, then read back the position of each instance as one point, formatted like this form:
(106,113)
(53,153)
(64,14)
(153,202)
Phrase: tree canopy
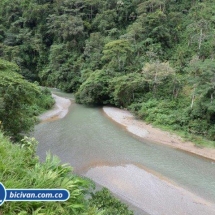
(18,99)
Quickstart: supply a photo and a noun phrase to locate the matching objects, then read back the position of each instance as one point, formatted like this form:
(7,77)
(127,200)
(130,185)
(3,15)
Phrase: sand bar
(148,192)
(59,111)
(148,132)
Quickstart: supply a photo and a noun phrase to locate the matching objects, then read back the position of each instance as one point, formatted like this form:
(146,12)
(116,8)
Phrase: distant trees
(202,75)
(199,32)
(93,51)
(127,89)
(65,27)
(157,73)
(117,54)
(95,89)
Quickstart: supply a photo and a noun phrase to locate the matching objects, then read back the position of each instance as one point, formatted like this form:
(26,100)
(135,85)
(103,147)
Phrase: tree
(105,21)
(92,7)
(151,6)
(117,54)
(199,32)
(20,101)
(94,90)
(16,95)
(65,27)
(202,75)
(156,73)
(127,88)
(93,51)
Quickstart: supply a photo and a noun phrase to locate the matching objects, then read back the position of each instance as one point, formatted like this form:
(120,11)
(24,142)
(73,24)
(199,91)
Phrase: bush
(94,91)
(103,199)
(20,100)
(23,170)
(127,89)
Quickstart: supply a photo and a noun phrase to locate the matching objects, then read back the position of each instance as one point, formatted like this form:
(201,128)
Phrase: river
(154,178)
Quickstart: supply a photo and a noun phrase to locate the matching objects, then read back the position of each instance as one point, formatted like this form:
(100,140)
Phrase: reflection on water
(87,140)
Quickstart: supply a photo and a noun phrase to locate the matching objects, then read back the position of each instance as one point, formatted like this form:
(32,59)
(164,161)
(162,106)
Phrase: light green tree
(117,54)
(155,73)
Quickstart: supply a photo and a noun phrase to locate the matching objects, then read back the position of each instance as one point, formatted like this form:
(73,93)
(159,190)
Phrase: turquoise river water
(154,178)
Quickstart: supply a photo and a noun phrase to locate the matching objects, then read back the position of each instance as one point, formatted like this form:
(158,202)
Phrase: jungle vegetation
(153,57)
(20,101)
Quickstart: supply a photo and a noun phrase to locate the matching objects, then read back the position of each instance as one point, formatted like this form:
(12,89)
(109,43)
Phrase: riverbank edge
(149,133)
(58,111)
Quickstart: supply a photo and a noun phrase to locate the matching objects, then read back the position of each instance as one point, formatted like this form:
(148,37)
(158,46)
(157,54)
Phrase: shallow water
(143,173)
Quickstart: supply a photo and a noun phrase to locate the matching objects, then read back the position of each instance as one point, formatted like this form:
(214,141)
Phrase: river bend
(154,178)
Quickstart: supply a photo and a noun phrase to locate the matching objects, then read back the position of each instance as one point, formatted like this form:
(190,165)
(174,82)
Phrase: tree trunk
(193,98)
(200,39)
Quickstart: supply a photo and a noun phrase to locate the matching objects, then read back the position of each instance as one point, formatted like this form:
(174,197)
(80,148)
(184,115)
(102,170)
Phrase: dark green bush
(104,200)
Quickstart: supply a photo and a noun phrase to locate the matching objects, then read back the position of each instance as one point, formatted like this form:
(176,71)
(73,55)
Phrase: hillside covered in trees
(153,57)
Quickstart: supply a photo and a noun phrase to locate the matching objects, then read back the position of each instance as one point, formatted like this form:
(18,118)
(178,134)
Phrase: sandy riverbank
(148,132)
(59,110)
(149,192)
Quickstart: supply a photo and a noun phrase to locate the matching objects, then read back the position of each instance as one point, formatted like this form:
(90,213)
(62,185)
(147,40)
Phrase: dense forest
(153,57)
(20,101)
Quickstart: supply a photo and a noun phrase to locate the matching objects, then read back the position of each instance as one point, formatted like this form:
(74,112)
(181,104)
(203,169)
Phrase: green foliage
(157,111)
(16,95)
(45,101)
(21,169)
(116,55)
(105,21)
(93,51)
(17,98)
(103,199)
(157,73)
(29,144)
(126,89)
(94,90)
(65,27)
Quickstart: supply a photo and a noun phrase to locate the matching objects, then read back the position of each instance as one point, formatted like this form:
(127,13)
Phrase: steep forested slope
(20,101)
(154,57)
